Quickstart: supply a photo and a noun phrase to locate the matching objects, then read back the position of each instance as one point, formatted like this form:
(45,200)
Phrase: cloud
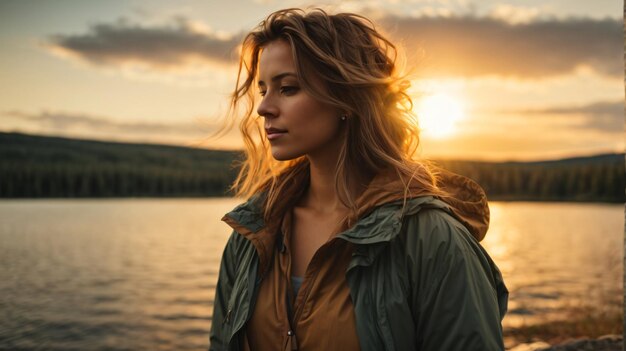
(605,116)
(177,46)
(197,133)
(478,46)
(451,46)
(60,121)
(515,14)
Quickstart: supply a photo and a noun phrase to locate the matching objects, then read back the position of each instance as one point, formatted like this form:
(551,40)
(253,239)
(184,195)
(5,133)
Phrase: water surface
(139,274)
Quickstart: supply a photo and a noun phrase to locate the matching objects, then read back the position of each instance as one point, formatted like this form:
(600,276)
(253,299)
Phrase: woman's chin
(284,155)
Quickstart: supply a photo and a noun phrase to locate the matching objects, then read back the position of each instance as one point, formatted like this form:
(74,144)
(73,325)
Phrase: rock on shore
(604,343)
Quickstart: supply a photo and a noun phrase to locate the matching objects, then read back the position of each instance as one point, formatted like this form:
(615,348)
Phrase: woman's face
(295,123)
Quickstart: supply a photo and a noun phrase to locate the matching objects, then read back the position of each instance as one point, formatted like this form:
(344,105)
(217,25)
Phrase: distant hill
(42,166)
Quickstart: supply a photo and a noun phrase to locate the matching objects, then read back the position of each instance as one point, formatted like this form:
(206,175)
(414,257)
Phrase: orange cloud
(472,46)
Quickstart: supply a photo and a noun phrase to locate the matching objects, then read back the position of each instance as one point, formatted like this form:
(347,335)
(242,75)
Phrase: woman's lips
(274,133)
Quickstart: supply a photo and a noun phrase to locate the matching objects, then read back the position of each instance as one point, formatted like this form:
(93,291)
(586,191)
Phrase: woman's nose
(267,108)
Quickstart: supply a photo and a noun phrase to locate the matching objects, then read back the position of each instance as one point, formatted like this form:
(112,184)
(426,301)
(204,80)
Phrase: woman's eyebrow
(279,77)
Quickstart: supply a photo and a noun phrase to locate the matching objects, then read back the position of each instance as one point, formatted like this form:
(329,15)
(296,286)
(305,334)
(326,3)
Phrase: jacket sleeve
(457,293)
(225,281)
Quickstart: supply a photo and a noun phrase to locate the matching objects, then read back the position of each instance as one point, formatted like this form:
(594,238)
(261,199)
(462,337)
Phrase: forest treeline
(38,166)
(600,178)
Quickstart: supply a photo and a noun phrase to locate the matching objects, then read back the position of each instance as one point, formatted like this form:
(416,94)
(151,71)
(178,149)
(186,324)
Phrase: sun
(438,114)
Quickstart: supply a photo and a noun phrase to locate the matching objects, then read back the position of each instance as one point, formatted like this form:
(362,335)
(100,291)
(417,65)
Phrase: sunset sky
(493,80)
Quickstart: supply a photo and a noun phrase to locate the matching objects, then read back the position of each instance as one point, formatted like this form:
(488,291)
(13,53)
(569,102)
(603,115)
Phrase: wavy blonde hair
(358,68)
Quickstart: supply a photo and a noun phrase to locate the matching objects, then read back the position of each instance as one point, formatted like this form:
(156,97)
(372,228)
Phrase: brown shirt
(322,314)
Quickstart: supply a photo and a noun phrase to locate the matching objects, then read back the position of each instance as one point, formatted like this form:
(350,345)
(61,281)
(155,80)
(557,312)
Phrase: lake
(139,274)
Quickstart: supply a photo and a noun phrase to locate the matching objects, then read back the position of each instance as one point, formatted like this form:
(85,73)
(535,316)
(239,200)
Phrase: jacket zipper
(291,317)
(292,340)
(291,333)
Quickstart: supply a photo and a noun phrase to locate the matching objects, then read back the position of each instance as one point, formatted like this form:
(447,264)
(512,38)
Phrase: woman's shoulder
(444,249)
(436,230)
(442,222)
(439,243)
(435,240)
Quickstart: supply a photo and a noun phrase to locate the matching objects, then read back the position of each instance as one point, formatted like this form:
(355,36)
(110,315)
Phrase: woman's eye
(288,90)
(262,93)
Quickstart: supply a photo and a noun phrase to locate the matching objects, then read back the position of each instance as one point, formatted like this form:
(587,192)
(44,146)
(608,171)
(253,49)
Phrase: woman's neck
(322,195)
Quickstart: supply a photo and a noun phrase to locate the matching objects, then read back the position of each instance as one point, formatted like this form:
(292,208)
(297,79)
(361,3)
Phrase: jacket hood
(467,201)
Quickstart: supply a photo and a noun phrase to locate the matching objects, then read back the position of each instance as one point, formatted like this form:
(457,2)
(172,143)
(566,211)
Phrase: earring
(343,117)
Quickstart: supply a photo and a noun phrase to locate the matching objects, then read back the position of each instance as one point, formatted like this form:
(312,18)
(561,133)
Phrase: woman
(346,241)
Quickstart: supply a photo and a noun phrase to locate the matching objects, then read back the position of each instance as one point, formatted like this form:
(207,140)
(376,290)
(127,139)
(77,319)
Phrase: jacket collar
(381,208)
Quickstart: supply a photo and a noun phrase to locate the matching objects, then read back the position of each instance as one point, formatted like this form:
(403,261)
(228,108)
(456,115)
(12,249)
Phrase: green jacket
(418,278)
